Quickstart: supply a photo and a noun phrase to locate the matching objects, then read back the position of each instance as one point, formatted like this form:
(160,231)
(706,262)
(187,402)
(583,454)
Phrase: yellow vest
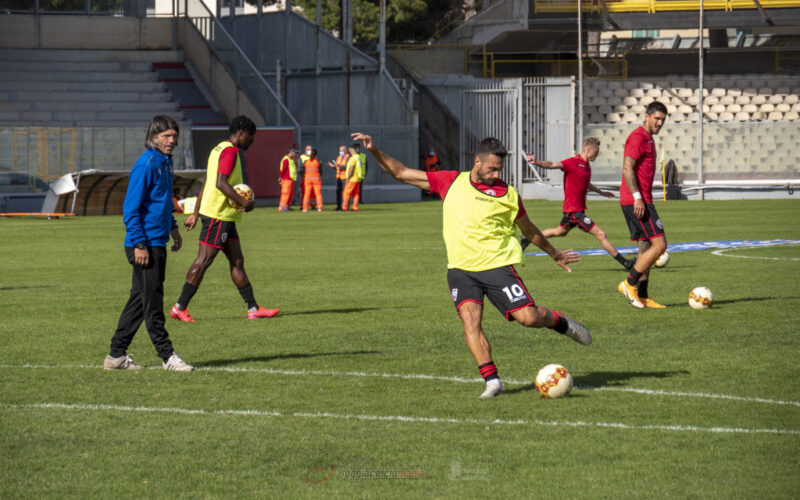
(358,168)
(479,228)
(214,203)
(292,166)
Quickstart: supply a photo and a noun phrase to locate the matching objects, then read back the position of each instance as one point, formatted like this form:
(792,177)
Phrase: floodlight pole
(700,121)
(580,77)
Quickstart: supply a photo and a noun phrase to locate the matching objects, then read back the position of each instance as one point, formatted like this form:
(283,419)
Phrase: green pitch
(364,374)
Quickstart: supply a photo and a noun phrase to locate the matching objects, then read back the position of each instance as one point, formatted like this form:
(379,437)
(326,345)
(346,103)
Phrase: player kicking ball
(479,217)
(577,182)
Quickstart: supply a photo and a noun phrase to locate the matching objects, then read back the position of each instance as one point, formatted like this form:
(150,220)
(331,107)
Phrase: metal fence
(736,152)
(47,153)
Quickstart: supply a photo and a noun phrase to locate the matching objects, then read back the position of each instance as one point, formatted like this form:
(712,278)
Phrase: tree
(406,20)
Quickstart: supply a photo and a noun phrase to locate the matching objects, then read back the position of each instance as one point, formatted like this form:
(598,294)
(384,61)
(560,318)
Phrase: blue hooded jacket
(147,210)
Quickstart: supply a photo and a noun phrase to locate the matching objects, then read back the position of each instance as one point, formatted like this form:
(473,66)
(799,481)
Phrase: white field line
(721,254)
(399,418)
(443,378)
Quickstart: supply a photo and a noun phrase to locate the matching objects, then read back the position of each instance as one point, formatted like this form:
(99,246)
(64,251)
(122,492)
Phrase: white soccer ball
(553,381)
(701,298)
(662,259)
(244,191)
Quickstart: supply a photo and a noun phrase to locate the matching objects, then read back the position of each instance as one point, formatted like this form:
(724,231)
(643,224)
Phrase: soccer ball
(553,381)
(701,298)
(244,191)
(662,259)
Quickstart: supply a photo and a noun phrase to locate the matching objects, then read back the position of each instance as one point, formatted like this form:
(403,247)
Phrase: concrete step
(152,106)
(58,65)
(84,86)
(147,56)
(77,76)
(33,96)
(80,118)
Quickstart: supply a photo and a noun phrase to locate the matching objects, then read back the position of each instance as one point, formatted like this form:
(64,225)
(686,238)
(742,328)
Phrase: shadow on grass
(266,359)
(601,379)
(343,310)
(6,288)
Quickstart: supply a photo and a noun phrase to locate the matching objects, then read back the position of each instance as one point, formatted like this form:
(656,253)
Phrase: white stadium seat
(775,116)
(750,92)
(750,108)
(727,100)
(765,91)
(776,98)
(733,108)
(742,117)
(743,99)
(621,93)
(637,92)
(712,117)
(605,109)
(620,108)
(783,108)
(783,90)
(693,117)
(711,100)
(671,109)
(684,109)
(792,99)
(646,100)
(613,118)
(796,107)
(791,116)
(630,101)
(735,92)
(693,100)
(758,99)
(605,92)
(726,117)
(613,101)
(638,109)
(677,117)
(654,93)
(718,92)
(614,84)
(630,117)
(718,108)
(767,108)
(685,92)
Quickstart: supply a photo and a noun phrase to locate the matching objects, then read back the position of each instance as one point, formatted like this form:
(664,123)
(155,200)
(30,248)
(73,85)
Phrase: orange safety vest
(341,167)
(430,161)
(312,169)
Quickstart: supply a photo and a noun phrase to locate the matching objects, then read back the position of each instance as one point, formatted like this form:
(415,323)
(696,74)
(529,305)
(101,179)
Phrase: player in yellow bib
(219,220)
(479,218)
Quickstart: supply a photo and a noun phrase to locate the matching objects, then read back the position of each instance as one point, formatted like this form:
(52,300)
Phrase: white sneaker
(493,388)
(175,363)
(120,363)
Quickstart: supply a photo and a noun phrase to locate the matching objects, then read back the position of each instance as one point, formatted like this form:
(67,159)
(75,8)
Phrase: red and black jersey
(641,147)
(577,176)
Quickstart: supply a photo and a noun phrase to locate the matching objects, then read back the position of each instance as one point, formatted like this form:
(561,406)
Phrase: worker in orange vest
(313,182)
(341,172)
(354,175)
(432,162)
(287,178)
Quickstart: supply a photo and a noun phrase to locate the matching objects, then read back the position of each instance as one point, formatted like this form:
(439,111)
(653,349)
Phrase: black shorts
(503,286)
(577,219)
(215,233)
(646,228)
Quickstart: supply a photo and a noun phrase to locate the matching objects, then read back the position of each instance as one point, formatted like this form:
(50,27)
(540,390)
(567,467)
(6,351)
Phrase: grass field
(365,374)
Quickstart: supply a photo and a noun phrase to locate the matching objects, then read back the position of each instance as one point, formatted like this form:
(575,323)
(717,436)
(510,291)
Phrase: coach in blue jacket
(147,213)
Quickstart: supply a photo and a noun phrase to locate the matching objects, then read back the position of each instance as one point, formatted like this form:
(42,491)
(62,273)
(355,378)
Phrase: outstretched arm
(542,163)
(607,194)
(532,232)
(392,166)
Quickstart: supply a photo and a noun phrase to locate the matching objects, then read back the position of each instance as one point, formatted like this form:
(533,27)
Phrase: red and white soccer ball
(662,260)
(553,381)
(244,191)
(701,298)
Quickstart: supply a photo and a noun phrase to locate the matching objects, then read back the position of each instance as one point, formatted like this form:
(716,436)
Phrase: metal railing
(653,6)
(244,72)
